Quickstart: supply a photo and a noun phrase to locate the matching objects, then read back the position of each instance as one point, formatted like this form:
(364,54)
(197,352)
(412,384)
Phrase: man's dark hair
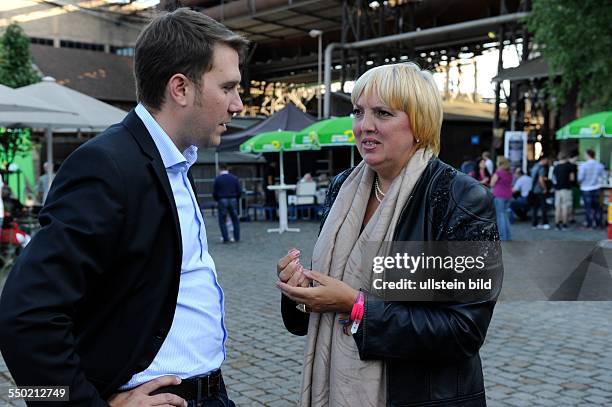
(591,153)
(181,41)
(223,167)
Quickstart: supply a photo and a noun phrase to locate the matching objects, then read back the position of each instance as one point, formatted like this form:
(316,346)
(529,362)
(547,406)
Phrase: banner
(515,149)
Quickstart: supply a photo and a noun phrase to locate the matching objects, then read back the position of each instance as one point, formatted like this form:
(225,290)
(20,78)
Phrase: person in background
(13,210)
(486,155)
(44,182)
(468,166)
(29,201)
(306,178)
(573,159)
(501,184)
(539,190)
(227,191)
(590,175)
(521,190)
(563,177)
(323,180)
(482,173)
(270,195)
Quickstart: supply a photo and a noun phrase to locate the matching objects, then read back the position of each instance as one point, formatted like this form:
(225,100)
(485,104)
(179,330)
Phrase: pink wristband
(357,312)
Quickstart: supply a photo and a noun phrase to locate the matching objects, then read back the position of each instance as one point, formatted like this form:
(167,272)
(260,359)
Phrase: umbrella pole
(299,165)
(352,157)
(216,162)
(49,137)
(282,172)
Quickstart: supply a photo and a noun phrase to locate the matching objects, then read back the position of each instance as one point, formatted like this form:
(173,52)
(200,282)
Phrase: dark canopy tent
(289,118)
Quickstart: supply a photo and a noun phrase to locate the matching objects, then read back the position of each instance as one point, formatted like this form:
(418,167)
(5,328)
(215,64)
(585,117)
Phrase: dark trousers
(229,206)
(539,201)
(592,208)
(520,207)
(219,400)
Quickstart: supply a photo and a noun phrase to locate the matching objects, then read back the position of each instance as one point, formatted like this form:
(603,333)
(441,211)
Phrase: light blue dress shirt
(195,344)
(590,175)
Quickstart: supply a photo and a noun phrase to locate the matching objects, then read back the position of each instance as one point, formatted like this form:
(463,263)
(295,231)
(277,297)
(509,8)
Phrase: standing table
(283,225)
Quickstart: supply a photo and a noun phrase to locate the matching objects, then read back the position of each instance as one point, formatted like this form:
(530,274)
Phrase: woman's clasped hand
(320,293)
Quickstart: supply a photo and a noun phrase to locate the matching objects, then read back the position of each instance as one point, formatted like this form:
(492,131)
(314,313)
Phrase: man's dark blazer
(92,297)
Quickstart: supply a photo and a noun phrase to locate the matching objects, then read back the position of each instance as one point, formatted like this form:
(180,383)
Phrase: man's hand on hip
(140,396)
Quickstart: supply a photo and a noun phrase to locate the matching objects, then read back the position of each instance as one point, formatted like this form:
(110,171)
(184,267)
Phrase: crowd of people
(560,184)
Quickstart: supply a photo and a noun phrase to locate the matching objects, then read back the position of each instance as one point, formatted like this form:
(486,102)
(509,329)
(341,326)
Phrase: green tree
(576,39)
(15,60)
(13,142)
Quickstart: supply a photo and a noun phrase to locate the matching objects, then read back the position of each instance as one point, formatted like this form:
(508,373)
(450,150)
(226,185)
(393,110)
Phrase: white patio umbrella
(13,101)
(86,113)
(93,114)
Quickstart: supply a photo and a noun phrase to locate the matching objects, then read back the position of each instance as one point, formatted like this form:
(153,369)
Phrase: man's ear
(178,88)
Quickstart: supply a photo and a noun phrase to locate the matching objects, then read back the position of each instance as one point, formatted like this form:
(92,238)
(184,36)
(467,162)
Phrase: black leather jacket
(430,349)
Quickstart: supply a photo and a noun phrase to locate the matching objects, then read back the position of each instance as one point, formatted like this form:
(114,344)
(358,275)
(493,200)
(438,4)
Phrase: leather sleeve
(81,226)
(421,332)
(433,331)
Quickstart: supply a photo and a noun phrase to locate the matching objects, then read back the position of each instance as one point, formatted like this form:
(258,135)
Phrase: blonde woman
(402,352)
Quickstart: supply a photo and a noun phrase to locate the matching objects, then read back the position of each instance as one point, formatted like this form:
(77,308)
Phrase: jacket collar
(140,133)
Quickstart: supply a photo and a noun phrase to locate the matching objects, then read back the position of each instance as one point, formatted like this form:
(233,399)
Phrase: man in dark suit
(117,297)
(227,191)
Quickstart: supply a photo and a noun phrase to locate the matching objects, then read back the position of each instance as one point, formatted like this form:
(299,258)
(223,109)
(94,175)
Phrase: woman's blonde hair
(406,87)
(503,163)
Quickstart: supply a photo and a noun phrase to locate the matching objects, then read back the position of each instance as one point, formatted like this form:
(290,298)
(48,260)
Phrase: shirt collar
(170,154)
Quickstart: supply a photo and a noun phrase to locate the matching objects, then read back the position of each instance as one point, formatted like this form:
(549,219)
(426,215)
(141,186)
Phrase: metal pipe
(447,29)
(247,9)
(49,167)
(327,78)
(319,77)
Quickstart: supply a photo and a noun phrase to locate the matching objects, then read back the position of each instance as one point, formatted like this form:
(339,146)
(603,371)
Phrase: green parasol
(333,132)
(591,126)
(275,142)
(337,131)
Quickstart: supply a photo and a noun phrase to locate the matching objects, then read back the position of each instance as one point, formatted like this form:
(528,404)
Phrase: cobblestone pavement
(536,353)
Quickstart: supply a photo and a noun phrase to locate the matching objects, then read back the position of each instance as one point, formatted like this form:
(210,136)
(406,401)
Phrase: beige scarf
(333,373)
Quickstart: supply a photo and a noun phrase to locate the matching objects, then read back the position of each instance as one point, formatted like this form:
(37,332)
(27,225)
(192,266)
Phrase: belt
(195,388)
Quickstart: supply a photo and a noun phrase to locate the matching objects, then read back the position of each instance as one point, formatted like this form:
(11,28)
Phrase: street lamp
(314,34)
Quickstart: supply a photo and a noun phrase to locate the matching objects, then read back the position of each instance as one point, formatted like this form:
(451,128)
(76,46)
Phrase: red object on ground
(9,235)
